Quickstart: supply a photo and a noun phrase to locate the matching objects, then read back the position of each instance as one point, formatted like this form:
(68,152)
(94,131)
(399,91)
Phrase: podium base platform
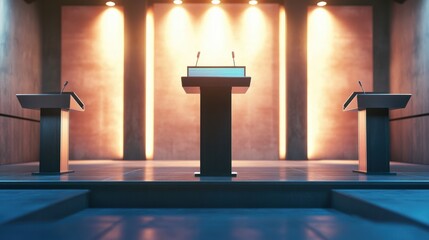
(52,173)
(374,173)
(198,174)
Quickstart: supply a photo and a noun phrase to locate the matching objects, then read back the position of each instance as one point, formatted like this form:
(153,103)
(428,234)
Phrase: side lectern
(54,128)
(215,86)
(373,128)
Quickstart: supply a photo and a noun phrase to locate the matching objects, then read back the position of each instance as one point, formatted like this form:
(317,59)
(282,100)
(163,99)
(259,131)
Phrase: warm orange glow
(112,50)
(319,45)
(252,33)
(321,3)
(150,77)
(253,2)
(177,2)
(282,83)
(333,75)
(110,3)
(215,2)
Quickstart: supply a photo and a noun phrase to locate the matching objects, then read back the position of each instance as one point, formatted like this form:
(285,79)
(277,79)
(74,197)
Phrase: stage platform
(107,199)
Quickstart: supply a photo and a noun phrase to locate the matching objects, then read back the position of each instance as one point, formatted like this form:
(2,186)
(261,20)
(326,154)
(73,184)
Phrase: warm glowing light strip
(282,83)
(215,2)
(253,2)
(149,87)
(177,2)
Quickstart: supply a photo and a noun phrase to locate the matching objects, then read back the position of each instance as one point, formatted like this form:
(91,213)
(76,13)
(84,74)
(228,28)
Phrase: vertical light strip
(150,45)
(282,83)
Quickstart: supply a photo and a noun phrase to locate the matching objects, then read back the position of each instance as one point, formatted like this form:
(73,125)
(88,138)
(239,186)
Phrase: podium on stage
(54,128)
(215,86)
(373,128)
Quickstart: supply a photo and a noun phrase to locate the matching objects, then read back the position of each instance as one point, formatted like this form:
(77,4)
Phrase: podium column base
(374,173)
(51,173)
(198,174)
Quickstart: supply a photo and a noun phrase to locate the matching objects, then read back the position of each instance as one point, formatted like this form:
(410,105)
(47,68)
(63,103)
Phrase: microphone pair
(198,58)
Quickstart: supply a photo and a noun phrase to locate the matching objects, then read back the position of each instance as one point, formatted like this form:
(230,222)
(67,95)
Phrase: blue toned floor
(163,200)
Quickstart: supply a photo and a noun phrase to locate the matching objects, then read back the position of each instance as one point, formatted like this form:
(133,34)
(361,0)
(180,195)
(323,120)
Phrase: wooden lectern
(54,128)
(374,130)
(215,86)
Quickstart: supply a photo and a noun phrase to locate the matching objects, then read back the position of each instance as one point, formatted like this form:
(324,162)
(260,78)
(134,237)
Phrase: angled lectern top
(360,101)
(215,86)
(374,128)
(65,100)
(54,128)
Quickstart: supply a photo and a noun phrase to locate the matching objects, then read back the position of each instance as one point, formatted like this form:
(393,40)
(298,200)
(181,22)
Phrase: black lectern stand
(215,120)
(54,128)
(374,130)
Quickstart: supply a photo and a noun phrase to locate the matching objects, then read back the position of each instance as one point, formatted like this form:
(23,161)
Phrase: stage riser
(210,194)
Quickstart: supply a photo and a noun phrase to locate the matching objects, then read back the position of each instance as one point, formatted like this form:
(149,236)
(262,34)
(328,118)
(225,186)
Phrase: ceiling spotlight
(216,2)
(253,2)
(177,2)
(110,3)
(321,3)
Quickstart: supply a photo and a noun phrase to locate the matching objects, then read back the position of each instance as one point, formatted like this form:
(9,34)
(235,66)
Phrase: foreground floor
(163,200)
(207,224)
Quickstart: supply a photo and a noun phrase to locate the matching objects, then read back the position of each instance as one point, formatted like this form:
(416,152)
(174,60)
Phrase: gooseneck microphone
(64,86)
(198,58)
(233,58)
(360,84)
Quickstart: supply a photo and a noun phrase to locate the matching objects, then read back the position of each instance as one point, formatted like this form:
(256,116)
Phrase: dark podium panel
(54,128)
(374,129)
(215,120)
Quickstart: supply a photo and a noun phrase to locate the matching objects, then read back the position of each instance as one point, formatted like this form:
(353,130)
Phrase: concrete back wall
(20,72)
(410,74)
(252,32)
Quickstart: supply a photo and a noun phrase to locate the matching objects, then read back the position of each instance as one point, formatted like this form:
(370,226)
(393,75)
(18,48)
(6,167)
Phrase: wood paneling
(409,140)
(20,72)
(410,55)
(19,140)
(409,74)
(20,51)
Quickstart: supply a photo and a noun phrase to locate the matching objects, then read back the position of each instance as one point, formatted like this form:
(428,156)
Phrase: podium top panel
(192,85)
(360,101)
(217,71)
(65,100)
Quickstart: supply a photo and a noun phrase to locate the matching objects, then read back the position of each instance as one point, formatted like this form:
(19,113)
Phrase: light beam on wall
(149,87)
(319,30)
(282,83)
(112,44)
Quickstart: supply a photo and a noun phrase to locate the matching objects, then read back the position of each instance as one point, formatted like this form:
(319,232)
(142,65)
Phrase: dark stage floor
(321,170)
(163,200)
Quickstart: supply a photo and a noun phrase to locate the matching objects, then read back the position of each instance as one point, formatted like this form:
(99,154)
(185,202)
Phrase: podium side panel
(50,140)
(378,140)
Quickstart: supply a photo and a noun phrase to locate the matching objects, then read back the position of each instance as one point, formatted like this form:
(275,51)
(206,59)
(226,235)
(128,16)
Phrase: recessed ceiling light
(321,3)
(110,3)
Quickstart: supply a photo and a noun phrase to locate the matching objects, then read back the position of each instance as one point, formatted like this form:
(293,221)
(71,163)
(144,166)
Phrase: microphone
(198,57)
(363,90)
(233,58)
(64,86)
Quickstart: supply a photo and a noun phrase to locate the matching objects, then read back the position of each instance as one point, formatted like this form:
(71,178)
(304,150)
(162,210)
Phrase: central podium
(215,86)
